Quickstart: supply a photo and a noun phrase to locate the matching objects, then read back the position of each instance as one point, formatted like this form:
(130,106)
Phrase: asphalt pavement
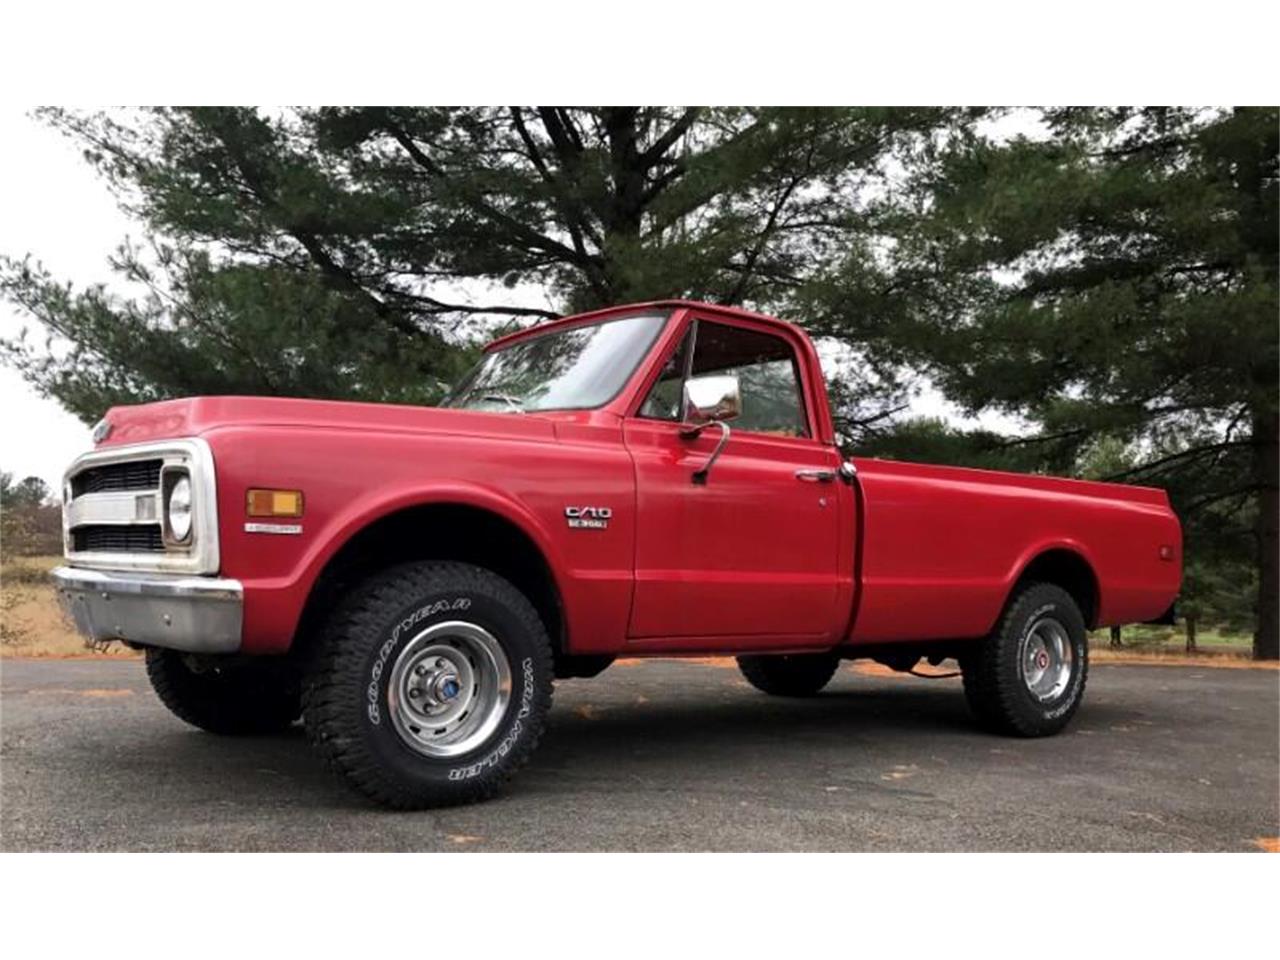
(670,755)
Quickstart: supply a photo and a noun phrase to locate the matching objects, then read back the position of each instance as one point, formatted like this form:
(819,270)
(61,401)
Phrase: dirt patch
(702,661)
(721,662)
(944,670)
(1221,660)
(869,668)
(92,693)
(31,622)
(872,669)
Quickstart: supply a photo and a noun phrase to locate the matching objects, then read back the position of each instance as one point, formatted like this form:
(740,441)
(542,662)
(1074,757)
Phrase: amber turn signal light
(273,503)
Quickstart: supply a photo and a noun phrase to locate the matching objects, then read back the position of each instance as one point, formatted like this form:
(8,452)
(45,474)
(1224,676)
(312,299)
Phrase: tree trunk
(1115,637)
(1266,466)
(1191,634)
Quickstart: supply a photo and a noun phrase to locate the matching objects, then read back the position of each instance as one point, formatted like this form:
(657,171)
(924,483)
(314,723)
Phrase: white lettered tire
(1027,678)
(430,686)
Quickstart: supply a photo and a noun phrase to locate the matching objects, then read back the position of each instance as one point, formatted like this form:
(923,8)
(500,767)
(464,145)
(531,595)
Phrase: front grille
(108,518)
(132,475)
(117,538)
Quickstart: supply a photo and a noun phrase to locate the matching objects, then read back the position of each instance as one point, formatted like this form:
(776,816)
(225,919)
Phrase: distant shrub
(12,630)
(17,573)
(30,530)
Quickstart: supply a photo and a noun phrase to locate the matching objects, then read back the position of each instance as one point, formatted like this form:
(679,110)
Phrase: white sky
(53,206)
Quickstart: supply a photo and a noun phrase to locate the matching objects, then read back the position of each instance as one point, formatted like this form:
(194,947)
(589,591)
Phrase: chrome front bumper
(195,614)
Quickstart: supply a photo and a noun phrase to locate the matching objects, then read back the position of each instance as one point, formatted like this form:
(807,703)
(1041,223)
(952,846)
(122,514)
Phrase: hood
(194,416)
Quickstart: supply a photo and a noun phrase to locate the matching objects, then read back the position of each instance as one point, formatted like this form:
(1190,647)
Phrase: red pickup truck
(658,480)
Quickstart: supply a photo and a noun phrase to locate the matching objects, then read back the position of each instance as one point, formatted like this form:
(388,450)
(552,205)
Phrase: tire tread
(335,679)
(789,675)
(249,699)
(993,691)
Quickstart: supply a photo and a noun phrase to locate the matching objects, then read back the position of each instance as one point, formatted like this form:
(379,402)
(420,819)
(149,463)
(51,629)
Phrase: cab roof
(594,315)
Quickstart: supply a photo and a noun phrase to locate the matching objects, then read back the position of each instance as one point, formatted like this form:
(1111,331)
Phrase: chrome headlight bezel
(179,507)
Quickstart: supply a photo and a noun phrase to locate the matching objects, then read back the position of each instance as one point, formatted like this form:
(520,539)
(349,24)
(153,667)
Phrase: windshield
(570,369)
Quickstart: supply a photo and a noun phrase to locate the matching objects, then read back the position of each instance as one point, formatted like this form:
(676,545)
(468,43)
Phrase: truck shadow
(595,744)
(767,728)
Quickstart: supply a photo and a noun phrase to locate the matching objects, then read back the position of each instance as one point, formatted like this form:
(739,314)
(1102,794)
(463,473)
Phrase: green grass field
(1141,639)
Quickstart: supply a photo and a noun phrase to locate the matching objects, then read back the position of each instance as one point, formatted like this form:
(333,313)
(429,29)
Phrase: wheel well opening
(437,532)
(1071,572)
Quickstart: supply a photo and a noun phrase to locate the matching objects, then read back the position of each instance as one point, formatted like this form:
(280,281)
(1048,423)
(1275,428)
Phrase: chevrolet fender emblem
(588,518)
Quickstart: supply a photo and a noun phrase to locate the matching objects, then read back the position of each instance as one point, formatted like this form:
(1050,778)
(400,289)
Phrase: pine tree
(312,252)
(1114,278)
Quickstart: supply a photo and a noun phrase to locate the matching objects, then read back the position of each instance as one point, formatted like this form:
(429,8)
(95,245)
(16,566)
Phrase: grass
(1163,642)
(31,622)
(33,625)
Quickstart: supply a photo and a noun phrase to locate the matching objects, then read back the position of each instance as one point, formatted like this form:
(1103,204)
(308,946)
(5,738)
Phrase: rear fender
(1042,549)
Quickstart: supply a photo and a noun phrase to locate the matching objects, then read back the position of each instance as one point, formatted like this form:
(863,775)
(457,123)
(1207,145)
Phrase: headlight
(177,509)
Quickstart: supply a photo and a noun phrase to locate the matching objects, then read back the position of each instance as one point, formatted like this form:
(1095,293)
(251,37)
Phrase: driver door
(753,552)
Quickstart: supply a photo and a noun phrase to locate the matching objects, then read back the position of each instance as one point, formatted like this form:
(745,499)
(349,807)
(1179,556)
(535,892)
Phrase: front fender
(274,603)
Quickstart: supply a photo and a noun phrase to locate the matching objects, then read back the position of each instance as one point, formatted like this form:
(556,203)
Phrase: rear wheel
(238,698)
(430,686)
(1027,678)
(789,675)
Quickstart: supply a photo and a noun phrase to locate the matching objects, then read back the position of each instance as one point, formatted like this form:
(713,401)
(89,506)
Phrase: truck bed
(939,548)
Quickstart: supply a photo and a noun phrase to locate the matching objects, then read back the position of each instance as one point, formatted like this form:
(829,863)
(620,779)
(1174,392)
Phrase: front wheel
(240,697)
(789,675)
(1027,678)
(430,686)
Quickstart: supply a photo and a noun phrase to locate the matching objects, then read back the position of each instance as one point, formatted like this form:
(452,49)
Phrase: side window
(667,394)
(765,366)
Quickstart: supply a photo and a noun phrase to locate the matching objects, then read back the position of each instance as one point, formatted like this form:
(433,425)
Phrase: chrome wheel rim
(449,689)
(1045,659)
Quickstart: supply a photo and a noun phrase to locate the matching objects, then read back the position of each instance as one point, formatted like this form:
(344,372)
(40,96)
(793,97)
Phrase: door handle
(816,476)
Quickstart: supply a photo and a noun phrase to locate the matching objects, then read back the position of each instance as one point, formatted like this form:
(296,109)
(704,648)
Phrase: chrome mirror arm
(691,430)
(709,400)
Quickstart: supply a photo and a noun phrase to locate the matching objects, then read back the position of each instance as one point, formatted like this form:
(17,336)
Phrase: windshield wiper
(513,402)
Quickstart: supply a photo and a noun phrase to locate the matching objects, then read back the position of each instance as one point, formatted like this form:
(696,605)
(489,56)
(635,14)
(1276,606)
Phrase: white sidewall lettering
(509,741)
(1071,694)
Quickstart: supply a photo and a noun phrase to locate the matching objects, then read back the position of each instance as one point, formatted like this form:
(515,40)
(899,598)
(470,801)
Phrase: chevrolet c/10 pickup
(651,480)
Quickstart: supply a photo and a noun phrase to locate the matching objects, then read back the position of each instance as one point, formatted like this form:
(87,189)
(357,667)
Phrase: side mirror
(711,400)
(708,400)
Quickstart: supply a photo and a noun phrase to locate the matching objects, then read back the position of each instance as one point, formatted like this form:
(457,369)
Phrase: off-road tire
(993,684)
(243,698)
(789,675)
(345,704)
